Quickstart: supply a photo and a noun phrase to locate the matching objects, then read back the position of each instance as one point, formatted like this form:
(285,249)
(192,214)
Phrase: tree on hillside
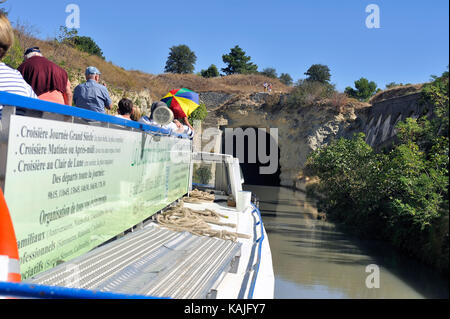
(71,38)
(318,73)
(181,60)
(3,10)
(270,72)
(211,72)
(88,45)
(286,79)
(238,62)
(65,35)
(364,89)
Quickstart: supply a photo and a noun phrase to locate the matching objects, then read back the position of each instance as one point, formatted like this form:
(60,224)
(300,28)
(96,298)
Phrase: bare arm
(68,96)
(186,121)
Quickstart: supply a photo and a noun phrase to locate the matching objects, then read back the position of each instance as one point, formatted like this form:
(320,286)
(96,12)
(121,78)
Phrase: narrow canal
(312,259)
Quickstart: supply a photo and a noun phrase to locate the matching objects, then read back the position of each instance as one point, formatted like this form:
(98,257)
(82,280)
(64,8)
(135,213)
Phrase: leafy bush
(71,38)
(14,56)
(211,72)
(364,89)
(308,92)
(286,79)
(339,101)
(393,85)
(347,170)
(199,114)
(401,195)
(88,45)
(270,72)
(202,174)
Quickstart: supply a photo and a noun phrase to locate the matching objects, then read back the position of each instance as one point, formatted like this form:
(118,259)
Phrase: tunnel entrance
(256,157)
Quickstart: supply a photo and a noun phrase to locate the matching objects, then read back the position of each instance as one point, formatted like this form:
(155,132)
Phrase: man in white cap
(91,95)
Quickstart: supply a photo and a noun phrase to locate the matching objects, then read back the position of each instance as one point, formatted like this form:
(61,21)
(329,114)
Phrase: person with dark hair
(126,109)
(49,81)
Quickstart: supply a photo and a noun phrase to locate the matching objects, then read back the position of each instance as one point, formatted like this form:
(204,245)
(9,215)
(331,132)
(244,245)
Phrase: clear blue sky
(288,35)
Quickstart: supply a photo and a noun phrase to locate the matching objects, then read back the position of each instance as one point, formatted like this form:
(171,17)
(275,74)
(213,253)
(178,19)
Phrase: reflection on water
(314,260)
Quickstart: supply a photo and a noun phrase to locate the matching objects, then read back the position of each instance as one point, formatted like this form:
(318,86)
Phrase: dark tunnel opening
(254,158)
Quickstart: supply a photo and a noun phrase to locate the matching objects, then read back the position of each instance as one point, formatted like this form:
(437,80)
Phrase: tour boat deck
(144,169)
(163,263)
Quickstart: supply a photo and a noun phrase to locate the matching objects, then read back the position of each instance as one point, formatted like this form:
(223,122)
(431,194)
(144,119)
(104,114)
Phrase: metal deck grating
(152,261)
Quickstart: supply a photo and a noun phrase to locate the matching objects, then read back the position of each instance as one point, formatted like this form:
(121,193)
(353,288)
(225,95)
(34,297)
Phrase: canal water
(312,259)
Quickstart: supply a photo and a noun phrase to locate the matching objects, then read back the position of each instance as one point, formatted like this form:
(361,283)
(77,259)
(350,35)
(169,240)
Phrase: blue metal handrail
(9,99)
(22,290)
(258,262)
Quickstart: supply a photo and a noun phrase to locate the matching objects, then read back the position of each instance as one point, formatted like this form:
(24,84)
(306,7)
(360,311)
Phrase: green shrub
(394,84)
(202,174)
(401,195)
(14,57)
(199,114)
(348,169)
(286,79)
(71,38)
(270,72)
(211,72)
(88,45)
(364,89)
(308,92)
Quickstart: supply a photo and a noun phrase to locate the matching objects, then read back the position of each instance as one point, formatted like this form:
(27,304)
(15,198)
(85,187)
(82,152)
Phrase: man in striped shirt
(11,80)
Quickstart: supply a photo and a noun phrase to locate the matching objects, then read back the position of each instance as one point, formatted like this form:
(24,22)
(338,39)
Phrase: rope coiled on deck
(197,196)
(181,219)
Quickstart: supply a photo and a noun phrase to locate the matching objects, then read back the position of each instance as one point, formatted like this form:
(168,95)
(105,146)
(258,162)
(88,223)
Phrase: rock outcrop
(303,129)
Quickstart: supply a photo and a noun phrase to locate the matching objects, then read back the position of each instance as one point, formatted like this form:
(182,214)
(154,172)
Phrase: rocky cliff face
(384,115)
(303,129)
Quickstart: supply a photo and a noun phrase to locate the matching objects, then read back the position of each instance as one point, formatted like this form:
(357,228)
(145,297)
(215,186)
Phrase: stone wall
(385,115)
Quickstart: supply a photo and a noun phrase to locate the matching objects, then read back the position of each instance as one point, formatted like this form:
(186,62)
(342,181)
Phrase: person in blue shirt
(91,95)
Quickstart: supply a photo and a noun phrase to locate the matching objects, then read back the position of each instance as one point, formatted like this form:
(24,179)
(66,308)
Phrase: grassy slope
(118,78)
(143,88)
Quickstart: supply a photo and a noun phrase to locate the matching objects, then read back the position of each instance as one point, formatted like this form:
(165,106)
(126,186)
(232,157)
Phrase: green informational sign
(71,187)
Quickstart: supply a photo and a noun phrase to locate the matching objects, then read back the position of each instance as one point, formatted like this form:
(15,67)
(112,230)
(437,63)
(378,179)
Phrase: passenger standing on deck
(49,81)
(11,80)
(91,95)
(126,109)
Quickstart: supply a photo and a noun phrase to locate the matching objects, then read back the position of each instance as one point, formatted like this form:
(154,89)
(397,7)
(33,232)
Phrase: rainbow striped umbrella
(182,102)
